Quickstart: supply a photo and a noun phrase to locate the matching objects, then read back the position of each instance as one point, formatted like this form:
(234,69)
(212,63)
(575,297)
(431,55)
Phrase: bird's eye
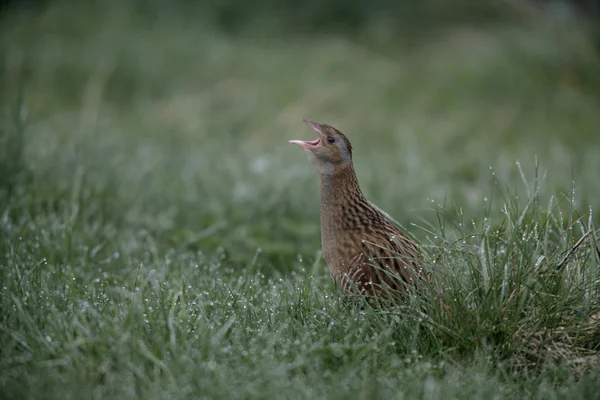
(330,139)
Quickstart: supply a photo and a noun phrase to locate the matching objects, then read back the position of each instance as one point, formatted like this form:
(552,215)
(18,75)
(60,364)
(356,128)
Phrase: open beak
(307,145)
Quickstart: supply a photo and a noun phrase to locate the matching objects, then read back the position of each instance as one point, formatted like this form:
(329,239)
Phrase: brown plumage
(362,247)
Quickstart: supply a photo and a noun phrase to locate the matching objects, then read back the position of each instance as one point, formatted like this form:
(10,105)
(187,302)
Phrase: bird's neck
(340,198)
(339,186)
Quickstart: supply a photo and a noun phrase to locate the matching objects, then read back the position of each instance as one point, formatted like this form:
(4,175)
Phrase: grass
(160,239)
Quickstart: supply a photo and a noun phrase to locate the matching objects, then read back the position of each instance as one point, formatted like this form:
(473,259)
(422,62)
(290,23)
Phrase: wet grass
(160,239)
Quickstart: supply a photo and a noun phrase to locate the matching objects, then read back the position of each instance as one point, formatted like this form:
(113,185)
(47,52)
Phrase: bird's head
(330,150)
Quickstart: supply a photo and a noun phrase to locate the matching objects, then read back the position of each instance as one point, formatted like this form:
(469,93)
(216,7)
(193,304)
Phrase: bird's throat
(339,186)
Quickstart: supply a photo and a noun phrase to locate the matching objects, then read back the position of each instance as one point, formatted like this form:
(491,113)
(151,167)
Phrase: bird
(364,249)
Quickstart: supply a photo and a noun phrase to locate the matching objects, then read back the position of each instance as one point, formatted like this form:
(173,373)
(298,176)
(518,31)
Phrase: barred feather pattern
(363,249)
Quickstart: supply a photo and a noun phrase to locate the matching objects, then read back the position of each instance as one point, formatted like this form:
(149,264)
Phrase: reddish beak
(310,144)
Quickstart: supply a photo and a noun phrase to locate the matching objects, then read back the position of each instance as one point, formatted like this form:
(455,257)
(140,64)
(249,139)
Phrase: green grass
(160,239)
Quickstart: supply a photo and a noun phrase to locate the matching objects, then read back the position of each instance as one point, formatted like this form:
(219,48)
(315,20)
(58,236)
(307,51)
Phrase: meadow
(159,238)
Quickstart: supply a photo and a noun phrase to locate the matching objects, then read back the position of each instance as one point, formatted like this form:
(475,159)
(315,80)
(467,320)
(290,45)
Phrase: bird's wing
(389,254)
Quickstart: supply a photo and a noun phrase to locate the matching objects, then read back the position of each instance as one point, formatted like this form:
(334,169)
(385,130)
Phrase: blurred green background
(180,112)
(140,139)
